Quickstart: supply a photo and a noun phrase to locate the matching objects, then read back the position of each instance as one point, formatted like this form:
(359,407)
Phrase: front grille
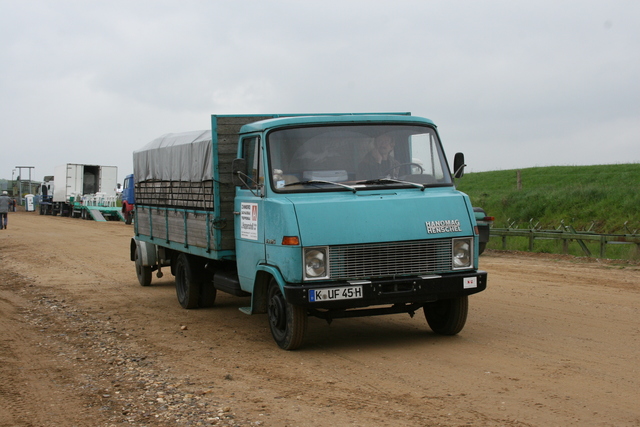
(390,259)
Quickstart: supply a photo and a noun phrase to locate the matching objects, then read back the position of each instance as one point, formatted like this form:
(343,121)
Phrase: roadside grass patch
(601,198)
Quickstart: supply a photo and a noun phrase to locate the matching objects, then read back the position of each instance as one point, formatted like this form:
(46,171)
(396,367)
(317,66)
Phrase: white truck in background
(71,182)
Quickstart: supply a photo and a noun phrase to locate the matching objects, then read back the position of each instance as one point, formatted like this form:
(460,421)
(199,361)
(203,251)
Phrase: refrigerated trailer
(73,183)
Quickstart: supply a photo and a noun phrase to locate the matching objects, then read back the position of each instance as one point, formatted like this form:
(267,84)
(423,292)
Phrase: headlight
(315,263)
(462,253)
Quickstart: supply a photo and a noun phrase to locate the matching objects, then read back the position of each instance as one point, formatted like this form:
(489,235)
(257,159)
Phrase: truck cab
(128,199)
(340,218)
(45,193)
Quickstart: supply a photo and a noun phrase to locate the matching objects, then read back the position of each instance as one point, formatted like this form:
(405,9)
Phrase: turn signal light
(290,240)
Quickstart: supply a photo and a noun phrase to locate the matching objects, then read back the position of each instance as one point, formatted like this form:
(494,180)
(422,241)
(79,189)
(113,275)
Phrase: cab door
(248,213)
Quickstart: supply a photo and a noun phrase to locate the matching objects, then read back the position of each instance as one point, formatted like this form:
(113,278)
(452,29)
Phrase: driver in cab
(379,162)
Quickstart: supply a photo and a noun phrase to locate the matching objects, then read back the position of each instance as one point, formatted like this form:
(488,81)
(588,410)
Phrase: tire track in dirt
(10,397)
(29,372)
(101,375)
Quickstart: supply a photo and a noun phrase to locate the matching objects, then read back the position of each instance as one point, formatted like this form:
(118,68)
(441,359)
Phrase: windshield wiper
(319,181)
(391,181)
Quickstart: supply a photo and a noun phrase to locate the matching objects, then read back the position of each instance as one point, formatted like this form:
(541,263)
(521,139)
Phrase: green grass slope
(601,198)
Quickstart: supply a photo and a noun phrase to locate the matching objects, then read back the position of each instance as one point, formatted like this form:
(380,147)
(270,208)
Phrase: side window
(251,153)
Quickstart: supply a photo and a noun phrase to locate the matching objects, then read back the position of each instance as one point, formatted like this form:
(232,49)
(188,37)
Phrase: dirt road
(550,343)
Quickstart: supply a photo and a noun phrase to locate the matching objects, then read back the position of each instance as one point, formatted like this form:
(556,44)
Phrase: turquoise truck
(331,215)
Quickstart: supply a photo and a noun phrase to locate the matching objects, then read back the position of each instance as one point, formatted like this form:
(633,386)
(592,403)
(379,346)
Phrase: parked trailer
(78,190)
(315,215)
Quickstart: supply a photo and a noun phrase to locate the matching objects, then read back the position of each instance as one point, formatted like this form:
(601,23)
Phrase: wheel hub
(277,314)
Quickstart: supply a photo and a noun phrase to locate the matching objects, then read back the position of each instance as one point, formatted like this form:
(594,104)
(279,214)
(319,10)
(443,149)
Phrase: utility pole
(20,176)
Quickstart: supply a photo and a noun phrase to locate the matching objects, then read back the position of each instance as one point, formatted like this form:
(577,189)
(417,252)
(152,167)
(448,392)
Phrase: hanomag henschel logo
(446,226)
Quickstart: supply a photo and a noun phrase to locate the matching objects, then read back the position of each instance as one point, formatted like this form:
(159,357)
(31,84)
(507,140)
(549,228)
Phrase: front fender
(274,272)
(261,285)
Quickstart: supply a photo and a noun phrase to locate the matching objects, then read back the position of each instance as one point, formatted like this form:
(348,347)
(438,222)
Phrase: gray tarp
(182,156)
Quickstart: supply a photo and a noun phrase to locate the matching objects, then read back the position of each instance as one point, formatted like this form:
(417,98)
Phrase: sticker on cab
(249,221)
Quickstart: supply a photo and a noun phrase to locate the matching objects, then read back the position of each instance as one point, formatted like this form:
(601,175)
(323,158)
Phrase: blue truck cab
(333,216)
(128,199)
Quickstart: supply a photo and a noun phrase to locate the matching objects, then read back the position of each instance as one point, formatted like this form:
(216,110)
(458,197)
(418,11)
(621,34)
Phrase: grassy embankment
(598,198)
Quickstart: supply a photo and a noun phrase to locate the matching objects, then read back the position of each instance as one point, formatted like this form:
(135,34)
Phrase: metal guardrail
(568,234)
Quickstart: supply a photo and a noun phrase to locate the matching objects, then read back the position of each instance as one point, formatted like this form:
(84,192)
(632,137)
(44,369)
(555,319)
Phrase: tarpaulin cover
(182,156)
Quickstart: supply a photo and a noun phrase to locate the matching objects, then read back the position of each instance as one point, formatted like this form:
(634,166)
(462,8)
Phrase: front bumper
(414,289)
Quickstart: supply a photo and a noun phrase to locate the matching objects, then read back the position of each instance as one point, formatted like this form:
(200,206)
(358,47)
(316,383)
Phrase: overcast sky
(510,84)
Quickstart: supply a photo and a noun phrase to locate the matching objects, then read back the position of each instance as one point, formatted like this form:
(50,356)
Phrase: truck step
(227,281)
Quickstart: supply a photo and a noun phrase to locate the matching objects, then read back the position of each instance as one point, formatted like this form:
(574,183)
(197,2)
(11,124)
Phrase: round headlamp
(315,263)
(462,253)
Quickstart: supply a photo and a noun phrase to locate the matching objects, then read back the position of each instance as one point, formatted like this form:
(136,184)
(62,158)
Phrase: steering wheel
(405,164)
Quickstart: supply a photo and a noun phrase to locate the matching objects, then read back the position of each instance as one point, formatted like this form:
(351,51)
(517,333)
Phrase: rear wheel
(188,280)
(208,292)
(447,316)
(288,322)
(142,271)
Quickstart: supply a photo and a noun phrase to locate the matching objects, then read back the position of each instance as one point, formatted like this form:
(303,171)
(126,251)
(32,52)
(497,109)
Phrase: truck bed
(196,214)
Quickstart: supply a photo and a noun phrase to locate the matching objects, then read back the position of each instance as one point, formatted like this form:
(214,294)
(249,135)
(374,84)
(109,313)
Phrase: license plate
(334,294)
(469,282)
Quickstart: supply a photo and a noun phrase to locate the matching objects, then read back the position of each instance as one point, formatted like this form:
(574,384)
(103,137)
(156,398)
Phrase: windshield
(324,157)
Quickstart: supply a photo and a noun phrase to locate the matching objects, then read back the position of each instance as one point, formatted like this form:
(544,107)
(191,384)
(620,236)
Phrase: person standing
(4,209)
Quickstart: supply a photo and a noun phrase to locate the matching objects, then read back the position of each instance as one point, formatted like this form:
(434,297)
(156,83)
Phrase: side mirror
(239,166)
(458,165)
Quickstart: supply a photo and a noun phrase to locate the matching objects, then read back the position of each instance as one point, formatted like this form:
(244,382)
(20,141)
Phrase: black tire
(142,271)
(128,218)
(288,322)
(447,316)
(188,281)
(207,292)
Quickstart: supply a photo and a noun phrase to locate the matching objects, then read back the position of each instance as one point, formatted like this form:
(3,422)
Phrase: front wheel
(447,316)
(188,281)
(288,322)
